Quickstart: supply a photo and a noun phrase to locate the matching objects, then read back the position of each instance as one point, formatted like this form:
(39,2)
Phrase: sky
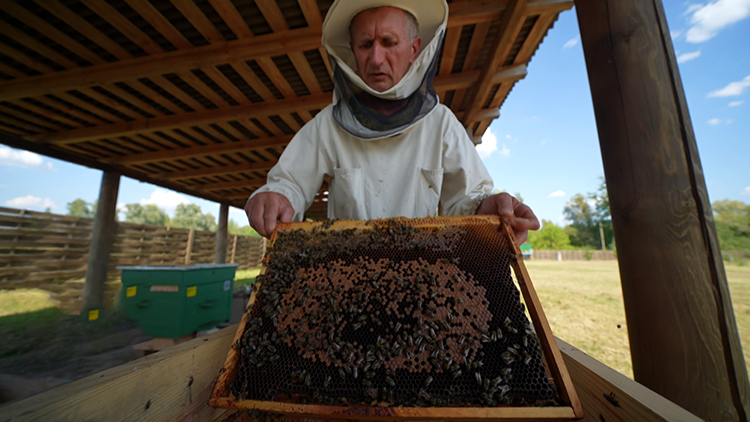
(543,146)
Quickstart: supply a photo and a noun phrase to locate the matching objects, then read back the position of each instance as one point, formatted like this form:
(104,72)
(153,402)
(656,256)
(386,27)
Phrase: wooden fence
(50,252)
(575,255)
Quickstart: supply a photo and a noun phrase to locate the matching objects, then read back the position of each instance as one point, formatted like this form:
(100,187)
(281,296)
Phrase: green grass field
(581,299)
(583,303)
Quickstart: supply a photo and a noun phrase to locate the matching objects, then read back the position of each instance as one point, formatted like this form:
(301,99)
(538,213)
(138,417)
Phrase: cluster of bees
(390,315)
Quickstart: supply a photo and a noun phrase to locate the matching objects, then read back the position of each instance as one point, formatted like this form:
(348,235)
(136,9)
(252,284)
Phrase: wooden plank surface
(607,395)
(163,379)
(170,385)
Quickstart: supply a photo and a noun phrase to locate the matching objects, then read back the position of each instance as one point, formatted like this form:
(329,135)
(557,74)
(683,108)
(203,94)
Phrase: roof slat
(160,23)
(85,28)
(510,24)
(122,24)
(232,18)
(40,48)
(49,31)
(199,20)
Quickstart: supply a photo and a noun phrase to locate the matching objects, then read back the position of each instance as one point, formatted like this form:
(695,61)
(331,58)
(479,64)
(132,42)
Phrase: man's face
(382,46)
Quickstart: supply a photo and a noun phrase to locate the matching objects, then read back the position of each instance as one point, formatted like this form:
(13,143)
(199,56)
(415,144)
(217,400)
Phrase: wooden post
(683,336)
(101,243)
(221,235)
(189,247)
(234,248)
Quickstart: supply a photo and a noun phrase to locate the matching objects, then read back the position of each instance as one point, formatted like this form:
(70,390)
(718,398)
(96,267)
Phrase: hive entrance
(388,313)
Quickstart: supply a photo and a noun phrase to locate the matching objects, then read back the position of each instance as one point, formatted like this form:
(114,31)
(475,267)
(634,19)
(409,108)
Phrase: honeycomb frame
(566,406)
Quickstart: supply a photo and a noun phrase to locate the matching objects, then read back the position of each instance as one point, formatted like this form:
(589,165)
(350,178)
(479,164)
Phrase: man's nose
(377,54)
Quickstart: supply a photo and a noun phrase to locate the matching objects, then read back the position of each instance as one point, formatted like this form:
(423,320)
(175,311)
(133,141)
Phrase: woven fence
(575,255)
(50,252)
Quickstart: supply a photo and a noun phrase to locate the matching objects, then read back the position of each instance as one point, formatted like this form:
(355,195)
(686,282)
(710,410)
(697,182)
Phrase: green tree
(583,218)
(149,214)
(549,237)
(81,208)
(590,219)
(732,224)
(190,216)
(234,228)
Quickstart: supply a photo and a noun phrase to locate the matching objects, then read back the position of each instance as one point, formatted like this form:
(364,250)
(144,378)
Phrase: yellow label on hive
(130,291)
(192,291)
(93,315)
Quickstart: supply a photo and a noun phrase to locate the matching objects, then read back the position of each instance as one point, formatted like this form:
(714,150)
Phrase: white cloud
(557,194)
(505,151)
(570,44)
(488,145)
(165,199)
(31,202)
(709,19)
(734,88)
(675,34)
(23,159)
(715,121)
(746,192)
(686,57)
(736,103)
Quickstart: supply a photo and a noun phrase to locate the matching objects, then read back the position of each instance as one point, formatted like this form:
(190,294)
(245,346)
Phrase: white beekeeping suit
(410,163)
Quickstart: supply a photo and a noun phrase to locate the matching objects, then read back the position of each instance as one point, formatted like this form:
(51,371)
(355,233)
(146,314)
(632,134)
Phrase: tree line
(590,225)
(189,216)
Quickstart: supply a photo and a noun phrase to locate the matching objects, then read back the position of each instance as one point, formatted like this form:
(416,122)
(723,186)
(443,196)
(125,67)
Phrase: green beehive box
(172,302)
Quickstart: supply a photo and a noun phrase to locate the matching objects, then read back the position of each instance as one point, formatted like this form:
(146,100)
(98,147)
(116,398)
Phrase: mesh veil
(352,112)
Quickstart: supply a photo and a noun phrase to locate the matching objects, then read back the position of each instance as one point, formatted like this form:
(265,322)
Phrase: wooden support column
(101,243)
(683,336)
(221,235)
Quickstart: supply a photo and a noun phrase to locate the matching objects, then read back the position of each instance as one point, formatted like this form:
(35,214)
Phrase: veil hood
(415,88)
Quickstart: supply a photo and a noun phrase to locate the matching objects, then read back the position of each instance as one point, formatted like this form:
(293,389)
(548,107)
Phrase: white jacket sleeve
(299,173)
(466,182)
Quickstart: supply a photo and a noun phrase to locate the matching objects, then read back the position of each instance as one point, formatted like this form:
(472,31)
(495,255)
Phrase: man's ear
(415,46)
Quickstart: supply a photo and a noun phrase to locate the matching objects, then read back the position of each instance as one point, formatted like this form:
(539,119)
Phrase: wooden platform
(175,384)
(158,344)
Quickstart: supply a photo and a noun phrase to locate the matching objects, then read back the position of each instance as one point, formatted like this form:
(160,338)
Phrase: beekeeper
(386,143)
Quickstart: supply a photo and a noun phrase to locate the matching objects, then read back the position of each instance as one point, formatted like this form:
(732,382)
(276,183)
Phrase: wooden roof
(202,96)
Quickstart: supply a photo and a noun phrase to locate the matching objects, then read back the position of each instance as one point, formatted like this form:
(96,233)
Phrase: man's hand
(265,209)
(519,215)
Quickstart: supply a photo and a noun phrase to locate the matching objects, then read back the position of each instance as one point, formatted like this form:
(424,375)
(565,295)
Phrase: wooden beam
(263,46)
(214,171)
(199,151)
(684,340)
(102,238)
(269,108)
(156,64)
(510,24)
(455,81)
(476,11)
(251,184)
(465,80)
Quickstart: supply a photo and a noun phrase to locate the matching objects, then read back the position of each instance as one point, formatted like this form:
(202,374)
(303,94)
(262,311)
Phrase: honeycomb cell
(392,314)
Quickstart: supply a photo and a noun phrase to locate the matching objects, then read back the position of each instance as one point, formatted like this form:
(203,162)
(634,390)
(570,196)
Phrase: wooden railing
(49,251)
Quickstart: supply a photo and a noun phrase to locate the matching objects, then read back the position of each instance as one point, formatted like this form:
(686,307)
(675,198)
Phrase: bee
(427,381)
(478,377)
